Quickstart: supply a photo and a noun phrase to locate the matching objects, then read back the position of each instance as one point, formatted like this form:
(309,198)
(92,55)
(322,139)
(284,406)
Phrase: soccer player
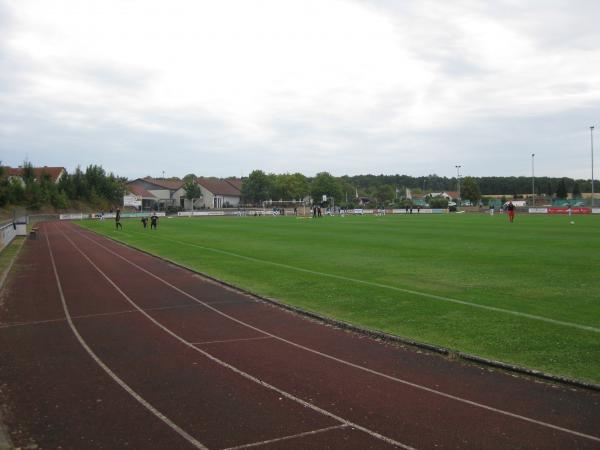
(118,225)
(510,209)
(153,221)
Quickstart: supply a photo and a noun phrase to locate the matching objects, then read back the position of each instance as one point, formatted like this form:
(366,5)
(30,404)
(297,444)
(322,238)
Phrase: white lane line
(393,288)
(91,316)
(227,341)
(235,369)
(110,373)
(286,438)
(25,324)
(348,363)
(62,319)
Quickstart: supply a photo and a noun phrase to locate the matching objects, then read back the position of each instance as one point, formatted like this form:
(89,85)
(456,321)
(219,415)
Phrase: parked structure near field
(152,193)
(216,193)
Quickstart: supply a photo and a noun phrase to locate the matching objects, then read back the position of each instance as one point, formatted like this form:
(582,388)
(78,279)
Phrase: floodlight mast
(458,179)
(592,142)
(532,180)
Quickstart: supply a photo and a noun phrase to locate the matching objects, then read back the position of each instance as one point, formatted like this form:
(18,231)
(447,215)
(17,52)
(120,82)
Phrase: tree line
(94,187)
(391,189)
(99,189)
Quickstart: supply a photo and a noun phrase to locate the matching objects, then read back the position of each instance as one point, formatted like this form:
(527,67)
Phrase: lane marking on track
(393,288)
(110,373)
(91,316)
(233,368)
(286,438)
(227,341)
(347,363)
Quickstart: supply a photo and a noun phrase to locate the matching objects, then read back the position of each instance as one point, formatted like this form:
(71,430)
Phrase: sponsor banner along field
(566,211)
(524,293)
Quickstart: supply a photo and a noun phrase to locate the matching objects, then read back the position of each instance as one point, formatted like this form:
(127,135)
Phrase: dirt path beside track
(102,346)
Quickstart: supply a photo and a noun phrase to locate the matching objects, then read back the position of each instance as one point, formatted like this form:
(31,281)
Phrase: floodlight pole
(592,142)
(458,178)
(532,181)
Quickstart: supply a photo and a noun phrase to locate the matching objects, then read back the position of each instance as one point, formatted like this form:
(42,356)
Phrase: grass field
(526,293)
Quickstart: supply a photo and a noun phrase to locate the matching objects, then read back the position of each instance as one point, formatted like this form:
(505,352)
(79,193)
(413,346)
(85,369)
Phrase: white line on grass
(393,288)
(235,369)
(347,363)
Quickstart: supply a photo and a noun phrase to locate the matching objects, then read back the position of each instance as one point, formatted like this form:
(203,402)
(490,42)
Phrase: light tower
(592,141)
(532,180)
(458,178)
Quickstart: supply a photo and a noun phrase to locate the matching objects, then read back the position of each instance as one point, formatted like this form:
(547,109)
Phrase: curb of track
(380,335)
(5,441)
(6,271)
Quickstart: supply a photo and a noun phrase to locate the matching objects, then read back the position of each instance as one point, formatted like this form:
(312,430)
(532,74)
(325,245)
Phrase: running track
(102,346)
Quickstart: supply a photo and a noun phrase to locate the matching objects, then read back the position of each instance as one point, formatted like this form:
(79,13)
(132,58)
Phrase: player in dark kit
(153,221)
(118,220)
(510,209)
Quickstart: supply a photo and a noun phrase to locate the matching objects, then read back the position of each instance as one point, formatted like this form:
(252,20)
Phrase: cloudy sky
(222,87)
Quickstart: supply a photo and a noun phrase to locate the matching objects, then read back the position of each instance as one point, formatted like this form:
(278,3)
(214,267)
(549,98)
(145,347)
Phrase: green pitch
(526,293)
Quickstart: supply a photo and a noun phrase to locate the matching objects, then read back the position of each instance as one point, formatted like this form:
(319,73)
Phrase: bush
(438,202)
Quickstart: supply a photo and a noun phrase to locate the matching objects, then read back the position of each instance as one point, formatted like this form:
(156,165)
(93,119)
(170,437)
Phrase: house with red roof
(153,193)
(54,174)
(216,193)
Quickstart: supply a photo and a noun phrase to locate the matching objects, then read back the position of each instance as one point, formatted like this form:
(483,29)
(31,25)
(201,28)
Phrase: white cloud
(348,86)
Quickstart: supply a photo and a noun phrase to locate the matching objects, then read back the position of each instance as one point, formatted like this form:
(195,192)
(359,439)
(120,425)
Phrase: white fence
(125,215)
(11,230)
(200,213)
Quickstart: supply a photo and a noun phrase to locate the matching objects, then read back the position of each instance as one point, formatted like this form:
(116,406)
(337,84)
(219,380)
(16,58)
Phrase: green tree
(325,184)
(16,192)
(27,173)
(576,191)
(438,202)
(4,187)
(190,177)
(290,186)
(561,190)
(384,194)
(192,191)
(256,188)
(299,186)
(470,189)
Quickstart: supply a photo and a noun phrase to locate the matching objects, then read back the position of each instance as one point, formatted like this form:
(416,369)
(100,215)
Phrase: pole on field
(458,178)
(592,142)
(532,180)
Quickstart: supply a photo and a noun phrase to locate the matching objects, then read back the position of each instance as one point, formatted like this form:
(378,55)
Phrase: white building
(215,194)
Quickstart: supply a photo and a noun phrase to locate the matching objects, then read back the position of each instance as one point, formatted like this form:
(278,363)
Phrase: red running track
(102,346)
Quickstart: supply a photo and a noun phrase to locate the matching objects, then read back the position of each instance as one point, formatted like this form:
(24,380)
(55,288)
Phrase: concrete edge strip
(5,441)
(375,333)
(6,271)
